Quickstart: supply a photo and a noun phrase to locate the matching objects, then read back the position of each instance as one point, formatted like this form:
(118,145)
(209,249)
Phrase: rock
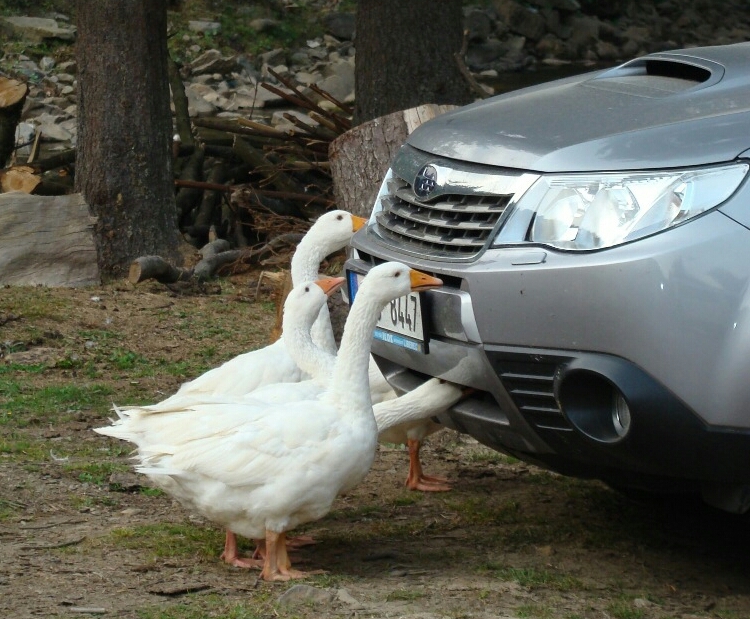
(197,105)
(338,80)
(263,24)
(205,27)
(274,57)
(521,19)
(305,594)
(478,24)
(47,63)
(340,25)
(37,29)
(211,61)
(55,133)
(344,596)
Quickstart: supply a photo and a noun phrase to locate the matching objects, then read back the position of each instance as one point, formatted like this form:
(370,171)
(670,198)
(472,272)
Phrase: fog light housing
(594,406)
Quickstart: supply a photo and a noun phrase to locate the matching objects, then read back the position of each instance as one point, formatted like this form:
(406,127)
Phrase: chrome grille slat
(425,234)
(453,223)
(443,220)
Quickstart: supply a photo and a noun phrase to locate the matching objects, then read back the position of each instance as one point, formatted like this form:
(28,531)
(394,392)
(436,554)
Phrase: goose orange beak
(422,281)
(358,222)
(329,285)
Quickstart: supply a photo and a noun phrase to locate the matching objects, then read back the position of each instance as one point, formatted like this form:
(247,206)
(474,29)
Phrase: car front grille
(450,225)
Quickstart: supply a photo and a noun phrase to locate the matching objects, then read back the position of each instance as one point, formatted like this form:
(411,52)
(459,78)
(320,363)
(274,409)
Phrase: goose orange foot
(417,480)
(277,566)
(231,556)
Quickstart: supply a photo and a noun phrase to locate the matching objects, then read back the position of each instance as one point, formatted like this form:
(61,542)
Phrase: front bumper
(545,338)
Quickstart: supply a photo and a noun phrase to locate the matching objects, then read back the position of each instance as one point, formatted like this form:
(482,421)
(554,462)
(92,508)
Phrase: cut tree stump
(47,240)
(361,156)
(359,160)
(12,97)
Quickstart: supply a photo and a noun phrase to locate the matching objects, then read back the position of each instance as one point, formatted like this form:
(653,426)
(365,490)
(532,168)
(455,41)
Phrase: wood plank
(47,240)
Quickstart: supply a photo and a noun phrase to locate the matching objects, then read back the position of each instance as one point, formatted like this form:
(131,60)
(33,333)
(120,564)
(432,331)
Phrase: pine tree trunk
(123,163)
(406,56)
(12,97)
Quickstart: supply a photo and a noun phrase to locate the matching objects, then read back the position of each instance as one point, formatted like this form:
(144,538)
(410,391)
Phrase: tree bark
(361,156)
(123,163)
(12,97)
(359,160)
(406,56)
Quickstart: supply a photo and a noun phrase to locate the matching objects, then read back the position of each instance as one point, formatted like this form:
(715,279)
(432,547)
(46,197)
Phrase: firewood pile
(245,191)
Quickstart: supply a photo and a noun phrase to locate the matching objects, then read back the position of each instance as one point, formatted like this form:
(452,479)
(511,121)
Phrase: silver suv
(593,236)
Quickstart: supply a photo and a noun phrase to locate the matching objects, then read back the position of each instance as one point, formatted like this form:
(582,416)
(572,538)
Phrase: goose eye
(397,274)
(307,288)
(339,217)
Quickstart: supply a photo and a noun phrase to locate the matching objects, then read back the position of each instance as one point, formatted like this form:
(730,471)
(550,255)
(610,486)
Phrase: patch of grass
(624,609)
(410,498)
(490,456)
(21,447)
(26,405)
(536,611)
(533,577)
(34,303)
(170,540)
(214,606)
(474,510)
(404,595)
(290,28)
(12,368)
(97,473)
(124,359)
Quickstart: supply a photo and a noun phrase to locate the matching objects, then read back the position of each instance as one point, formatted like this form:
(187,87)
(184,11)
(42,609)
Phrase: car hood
(671,109)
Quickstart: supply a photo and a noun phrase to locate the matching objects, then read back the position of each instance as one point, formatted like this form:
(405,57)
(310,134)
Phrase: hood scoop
(658,76)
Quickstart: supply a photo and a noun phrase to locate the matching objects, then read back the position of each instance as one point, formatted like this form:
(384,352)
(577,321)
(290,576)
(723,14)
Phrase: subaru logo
(425,182)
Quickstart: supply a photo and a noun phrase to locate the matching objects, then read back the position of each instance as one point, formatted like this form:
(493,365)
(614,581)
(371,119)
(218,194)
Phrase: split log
(155,267)
(180,102)
(62,158)
(47,241)
(19,178)
(361,156)
(12,97)
(189,197)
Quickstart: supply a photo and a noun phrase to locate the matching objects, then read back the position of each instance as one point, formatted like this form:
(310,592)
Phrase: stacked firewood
(253,187)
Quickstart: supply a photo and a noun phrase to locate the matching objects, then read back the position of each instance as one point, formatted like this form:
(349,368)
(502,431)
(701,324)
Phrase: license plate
(400,321)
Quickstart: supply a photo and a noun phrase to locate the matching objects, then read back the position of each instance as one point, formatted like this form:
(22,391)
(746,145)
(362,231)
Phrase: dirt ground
(81,535)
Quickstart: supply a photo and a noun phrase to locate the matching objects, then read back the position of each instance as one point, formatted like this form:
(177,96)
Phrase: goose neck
(350,379)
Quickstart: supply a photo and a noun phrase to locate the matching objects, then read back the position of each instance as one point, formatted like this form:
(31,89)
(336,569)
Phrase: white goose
(401,420)
(271,364)
(302,308)
(261,470)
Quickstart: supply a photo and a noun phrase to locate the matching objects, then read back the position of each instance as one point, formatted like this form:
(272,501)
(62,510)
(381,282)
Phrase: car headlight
(593,211)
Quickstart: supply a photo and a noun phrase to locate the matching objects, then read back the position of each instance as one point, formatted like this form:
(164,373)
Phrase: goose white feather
(402,420)
(271,364)
(262,469)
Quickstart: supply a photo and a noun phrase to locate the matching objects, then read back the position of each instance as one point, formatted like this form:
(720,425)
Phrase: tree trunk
(12,97)
(361,156)
(406,56)
(123,163)
(359,160)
